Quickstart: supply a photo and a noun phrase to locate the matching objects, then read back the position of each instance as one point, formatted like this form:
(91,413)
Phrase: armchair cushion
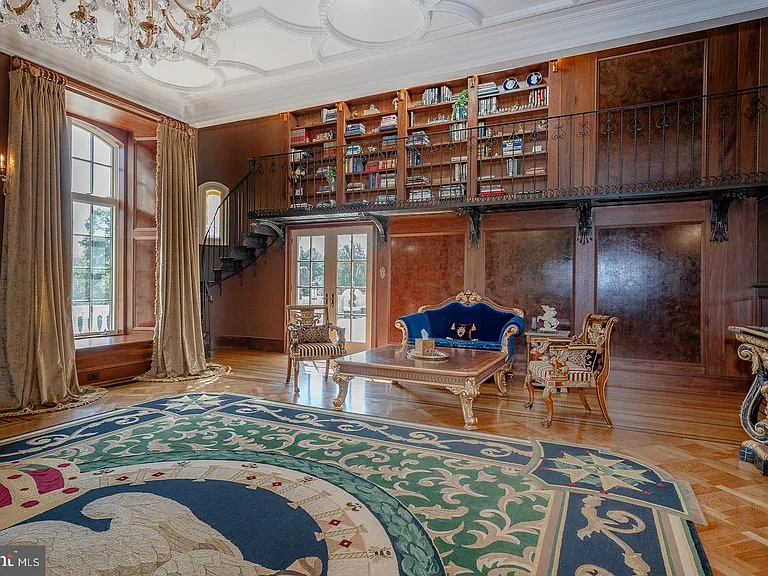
(319,350)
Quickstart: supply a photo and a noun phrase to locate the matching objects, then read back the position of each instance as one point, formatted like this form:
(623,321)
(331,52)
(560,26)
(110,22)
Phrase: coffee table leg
(467,396)
(343,382)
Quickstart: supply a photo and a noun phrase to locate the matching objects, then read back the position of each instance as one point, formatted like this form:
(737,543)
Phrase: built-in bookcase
(417,144)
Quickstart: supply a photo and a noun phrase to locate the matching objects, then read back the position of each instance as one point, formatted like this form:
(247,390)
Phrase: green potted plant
(459,110)
(330,177)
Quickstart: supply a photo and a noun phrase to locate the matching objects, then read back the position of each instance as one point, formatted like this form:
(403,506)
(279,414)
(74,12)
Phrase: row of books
(436,94)
(458,132)
(538,97)
(388,123)
(373,182)
(487,88)
(328,115)
(356,129)
(488,106)
(389,142)
(419,138)
(421,179)
(460,172)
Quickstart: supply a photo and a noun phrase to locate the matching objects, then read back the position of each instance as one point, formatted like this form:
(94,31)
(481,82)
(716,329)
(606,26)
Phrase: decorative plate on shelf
(510,84)
(436,356)
(534,79)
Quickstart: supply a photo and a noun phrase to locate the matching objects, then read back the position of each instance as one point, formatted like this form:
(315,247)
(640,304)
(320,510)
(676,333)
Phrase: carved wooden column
(754,347)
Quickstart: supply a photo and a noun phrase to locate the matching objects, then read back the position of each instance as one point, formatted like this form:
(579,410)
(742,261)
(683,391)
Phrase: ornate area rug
(225,485)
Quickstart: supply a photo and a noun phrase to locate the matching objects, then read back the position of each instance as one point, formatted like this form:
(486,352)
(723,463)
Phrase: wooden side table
(537,340)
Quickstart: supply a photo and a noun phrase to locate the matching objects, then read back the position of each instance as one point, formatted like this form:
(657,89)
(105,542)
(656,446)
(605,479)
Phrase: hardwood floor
(693,433)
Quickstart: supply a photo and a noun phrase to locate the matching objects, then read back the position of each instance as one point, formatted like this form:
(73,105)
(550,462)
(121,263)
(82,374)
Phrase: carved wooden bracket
(584,212)
(382,225)
(475,225)
(719,213)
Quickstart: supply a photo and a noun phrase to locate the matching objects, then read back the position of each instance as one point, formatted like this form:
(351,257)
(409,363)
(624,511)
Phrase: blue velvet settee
(493,326)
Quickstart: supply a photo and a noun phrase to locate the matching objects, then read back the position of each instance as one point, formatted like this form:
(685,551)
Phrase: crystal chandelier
(127,31)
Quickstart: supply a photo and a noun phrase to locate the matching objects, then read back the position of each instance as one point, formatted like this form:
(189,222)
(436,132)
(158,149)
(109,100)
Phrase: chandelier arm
(198,11)
(171,26)
(19,10)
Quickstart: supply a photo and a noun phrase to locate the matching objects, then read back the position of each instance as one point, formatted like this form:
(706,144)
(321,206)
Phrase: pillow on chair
(313,335)
(463,331)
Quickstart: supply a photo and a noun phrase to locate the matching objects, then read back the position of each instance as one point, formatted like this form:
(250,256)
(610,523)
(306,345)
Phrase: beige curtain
(37,348)
(178,347)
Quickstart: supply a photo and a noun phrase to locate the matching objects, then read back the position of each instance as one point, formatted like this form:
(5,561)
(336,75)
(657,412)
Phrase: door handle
(333,300)
(326,298)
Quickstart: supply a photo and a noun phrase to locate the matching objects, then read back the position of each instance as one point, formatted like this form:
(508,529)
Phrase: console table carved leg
(467,394)
(547,422)
(531,391)
(754,348)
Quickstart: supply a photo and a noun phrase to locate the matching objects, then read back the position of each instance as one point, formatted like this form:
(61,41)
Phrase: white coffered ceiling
(278,55)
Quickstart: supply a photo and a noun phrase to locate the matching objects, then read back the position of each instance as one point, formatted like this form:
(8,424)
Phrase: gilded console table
(754,347)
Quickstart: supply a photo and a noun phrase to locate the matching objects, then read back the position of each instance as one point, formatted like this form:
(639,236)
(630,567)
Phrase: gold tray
(438,356)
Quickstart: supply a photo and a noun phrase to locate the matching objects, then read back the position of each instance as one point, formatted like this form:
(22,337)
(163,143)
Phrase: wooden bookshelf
(524,107)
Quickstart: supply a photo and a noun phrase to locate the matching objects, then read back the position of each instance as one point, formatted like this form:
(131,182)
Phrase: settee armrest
(515,326)
(411,325)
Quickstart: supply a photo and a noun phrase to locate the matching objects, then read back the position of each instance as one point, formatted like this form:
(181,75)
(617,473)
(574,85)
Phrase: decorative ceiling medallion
(362,15)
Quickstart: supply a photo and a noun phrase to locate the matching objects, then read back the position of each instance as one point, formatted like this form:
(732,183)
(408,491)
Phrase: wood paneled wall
(653,266)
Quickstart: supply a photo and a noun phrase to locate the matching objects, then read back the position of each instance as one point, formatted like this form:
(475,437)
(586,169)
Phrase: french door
(332,266)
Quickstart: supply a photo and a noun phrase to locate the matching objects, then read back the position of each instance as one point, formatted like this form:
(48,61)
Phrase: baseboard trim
(250,342)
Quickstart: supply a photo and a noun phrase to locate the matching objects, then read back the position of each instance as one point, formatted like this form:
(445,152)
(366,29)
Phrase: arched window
(212,213)
(95,207)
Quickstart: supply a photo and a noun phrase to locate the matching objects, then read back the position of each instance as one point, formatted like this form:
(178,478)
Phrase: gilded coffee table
(462,373)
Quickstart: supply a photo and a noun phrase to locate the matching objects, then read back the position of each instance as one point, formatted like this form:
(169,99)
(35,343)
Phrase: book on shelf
(414,157)
(492,190)
(512,147)
(380,180)
(355,186)
(452,191)
(389,142)
(460,172)
(329,150)
(356,129)
(419,138)
(486,177)
(458,132)
(487,88)
(420,195)
(328,115)
(386,199)
(488,106)
(325,136)
(538,97)
(417,179)
(353,150)
(514,166)
(389,120)
(436,95)
(458,158)
(354,164)
(297,155)
(388,164)
(324,190)
(535,170)
(299,136)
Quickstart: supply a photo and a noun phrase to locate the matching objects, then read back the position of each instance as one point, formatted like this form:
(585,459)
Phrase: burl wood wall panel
(146,175)
(650,278)
(144,283)
(424,270)
(528,268)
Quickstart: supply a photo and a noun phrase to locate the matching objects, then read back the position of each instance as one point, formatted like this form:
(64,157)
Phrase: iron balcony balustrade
(676,149)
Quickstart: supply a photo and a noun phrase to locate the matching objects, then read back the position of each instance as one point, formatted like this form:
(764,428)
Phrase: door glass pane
(81,177)
(303,253)
(351,285)
(318,274)
(318,248)
(310,280)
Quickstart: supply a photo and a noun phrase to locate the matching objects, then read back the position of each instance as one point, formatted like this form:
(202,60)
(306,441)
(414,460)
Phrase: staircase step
(231,264)
(263,230)
(257,241)
(243,253)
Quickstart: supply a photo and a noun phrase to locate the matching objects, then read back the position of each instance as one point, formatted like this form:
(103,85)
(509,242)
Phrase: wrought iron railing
(688,146)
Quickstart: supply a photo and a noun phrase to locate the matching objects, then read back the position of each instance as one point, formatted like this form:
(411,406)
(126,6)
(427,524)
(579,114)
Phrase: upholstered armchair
(579,363)
(309,339)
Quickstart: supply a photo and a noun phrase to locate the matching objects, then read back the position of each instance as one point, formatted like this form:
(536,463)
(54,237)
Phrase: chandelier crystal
(140,30)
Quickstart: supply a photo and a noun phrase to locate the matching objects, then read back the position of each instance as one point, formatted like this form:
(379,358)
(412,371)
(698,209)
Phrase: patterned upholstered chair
(309,339)
(579,363)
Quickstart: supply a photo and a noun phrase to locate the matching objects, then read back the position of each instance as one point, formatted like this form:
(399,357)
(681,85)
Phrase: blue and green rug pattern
(234,485)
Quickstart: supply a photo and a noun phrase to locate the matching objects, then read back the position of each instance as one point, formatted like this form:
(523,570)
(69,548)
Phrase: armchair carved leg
(290,365)
(529,387)
(296,375)
(603,406)
(583,396)
(547,422)
(467,395)
(327,367)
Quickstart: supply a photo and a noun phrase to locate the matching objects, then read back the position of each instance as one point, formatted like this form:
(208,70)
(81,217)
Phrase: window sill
(113,340)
